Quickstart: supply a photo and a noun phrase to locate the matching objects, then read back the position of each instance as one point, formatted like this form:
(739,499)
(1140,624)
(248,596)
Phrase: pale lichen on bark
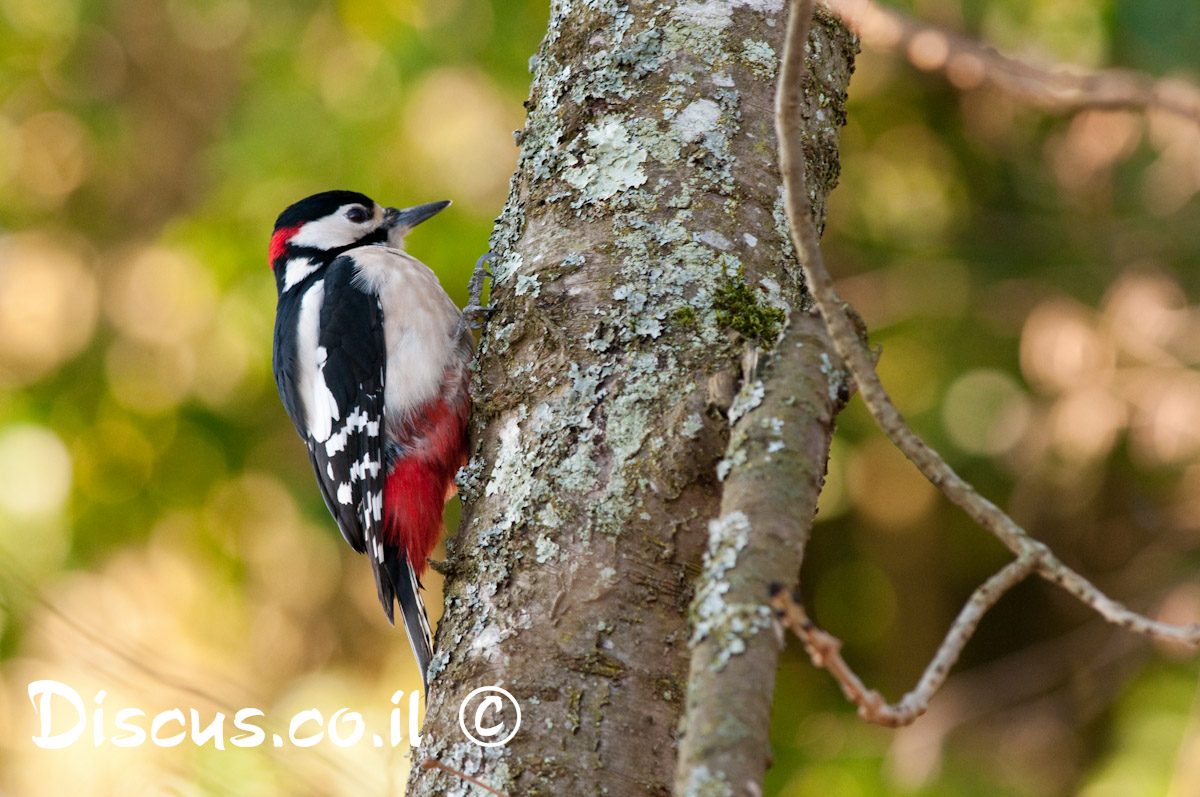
(774,467)
(647,182)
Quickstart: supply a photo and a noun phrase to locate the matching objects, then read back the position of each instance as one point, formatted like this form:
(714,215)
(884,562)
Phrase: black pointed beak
(407,218)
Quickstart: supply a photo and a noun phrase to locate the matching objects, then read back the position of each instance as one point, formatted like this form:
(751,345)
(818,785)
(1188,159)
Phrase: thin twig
(968,64)
(433,763)
(1032,554)
(825,649)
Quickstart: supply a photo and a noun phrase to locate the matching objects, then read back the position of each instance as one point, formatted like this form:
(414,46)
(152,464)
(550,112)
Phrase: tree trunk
(642,248)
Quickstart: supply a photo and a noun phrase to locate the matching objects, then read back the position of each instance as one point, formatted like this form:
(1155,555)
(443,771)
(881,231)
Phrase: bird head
(310,234)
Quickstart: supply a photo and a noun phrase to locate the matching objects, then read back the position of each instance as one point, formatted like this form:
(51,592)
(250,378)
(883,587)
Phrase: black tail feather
(397,582)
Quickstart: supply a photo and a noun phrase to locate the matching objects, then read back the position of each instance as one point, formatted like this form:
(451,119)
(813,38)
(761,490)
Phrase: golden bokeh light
(50,18)
(48,305)
(928,50)
(158,296)
(986,412)
(1085,422)
(1094,141)
(149,379)
(210,25)
(55,156)
(35,471)
(908,186)
(459,133)
(1123,368)
(1146,311)
(230,362)
(887,489)
(965,71)
(1174,177)
(357,80)
(1166,421)
(1061,347)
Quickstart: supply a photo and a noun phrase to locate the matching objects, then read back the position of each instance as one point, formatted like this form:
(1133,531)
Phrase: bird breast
(419,320)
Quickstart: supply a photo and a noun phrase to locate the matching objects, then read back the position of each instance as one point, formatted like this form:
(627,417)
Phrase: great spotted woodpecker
(371,361)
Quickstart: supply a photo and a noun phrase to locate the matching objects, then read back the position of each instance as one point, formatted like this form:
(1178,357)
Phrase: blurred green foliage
(1032,280)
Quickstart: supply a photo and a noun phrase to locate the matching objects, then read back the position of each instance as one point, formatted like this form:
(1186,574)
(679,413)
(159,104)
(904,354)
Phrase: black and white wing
(353,457)
(346,447)
(331,379)
(330,368)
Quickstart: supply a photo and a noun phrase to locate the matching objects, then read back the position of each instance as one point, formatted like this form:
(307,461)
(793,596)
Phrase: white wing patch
(336,442)
(297,269)
(370,503)
(359,421)
(360,469)
(320,407)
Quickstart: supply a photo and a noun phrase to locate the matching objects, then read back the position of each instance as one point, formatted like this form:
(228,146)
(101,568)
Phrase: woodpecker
(371,360)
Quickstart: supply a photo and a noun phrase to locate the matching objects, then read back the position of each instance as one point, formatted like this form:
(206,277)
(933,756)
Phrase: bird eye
(357,214)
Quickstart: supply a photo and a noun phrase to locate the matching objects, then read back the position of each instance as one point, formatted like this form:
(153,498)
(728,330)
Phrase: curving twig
(969,64)
(1032,555)
(825,649)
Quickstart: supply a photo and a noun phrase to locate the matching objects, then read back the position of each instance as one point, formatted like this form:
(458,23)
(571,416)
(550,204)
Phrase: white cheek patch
(334,231)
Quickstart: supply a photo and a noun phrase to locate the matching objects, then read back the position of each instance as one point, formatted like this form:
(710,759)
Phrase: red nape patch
(279,243)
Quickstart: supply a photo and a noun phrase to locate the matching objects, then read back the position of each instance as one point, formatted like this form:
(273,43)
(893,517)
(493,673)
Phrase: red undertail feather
(422,481)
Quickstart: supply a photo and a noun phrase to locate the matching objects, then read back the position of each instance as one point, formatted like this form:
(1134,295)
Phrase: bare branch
(985,596)
(825,649)
(1031,554)
(776,455)
(781,421)
(1051,569)
(969,64)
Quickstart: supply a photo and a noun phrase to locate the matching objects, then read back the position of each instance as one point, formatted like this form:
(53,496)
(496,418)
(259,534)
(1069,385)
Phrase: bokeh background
(1033,281)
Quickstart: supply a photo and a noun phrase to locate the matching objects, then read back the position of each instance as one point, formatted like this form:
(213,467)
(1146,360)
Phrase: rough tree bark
(643,247)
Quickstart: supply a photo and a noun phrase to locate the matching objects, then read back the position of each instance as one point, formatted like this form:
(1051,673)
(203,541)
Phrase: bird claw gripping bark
(475,311)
